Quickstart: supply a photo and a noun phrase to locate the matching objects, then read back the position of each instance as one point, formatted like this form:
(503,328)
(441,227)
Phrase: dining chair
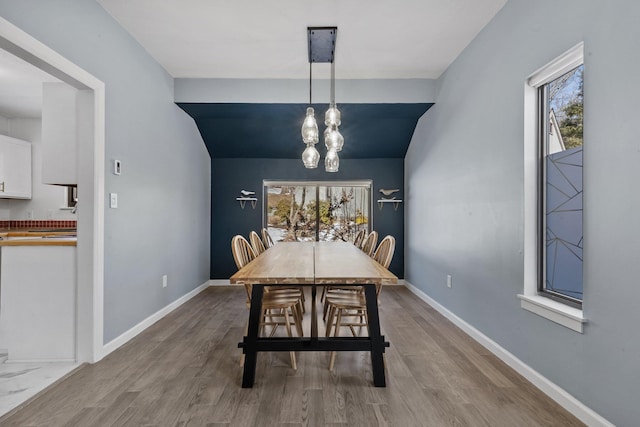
(349,309)
(256,243)
(259,246)
(360,238)
(278,308)
(266,238)
(370,243)
(384,251)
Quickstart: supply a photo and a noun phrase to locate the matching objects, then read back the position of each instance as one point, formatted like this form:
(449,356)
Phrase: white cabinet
(15,168)
(38,303)
(59,134)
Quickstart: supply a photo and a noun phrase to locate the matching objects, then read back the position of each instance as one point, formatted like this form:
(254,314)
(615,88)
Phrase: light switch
(113,200)
(116,167)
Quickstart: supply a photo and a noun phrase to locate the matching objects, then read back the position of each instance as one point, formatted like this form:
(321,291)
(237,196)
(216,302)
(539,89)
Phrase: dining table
(313,264)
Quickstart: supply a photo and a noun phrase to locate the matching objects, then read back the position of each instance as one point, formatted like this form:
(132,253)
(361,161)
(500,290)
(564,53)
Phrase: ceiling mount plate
(322,43)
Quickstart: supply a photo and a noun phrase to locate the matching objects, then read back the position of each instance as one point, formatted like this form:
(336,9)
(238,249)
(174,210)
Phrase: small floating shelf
(244,200)
(396,203)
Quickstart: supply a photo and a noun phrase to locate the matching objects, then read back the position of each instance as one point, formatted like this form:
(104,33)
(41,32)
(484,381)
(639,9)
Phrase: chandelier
(322,42)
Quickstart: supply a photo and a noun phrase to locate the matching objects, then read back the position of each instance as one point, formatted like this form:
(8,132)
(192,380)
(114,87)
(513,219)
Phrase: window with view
(561,106)
(316,211)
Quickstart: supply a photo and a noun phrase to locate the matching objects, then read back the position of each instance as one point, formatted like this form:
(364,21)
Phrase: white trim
(564,63)
(137,329)
(90,302)
(564,399)
(290,183)
(15,361)
(557,312)
(221,282)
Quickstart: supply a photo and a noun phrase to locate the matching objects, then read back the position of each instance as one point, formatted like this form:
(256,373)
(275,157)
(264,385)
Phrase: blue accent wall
(371,131)
(229,176)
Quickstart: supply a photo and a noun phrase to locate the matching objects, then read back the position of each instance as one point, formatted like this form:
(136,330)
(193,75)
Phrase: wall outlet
(448,280)
(164,281)
(113,200)
(29,214)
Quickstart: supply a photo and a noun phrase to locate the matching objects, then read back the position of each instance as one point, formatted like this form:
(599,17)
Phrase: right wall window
(561,118)
(553,147)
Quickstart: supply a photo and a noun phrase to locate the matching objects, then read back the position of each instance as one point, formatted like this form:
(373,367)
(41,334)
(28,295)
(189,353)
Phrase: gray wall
(464,181)
(162,223)
(229,176)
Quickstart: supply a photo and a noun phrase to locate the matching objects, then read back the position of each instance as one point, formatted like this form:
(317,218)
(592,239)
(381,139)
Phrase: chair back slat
(370,243)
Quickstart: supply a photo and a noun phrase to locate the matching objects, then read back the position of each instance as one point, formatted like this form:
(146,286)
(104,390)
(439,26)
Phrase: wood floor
(184,371)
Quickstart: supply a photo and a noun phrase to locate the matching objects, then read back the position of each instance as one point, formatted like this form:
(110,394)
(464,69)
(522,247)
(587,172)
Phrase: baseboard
(562,397)
(18,361)
(131,333)
(220,282)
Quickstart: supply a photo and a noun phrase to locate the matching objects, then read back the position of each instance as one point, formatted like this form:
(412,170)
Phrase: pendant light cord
(333,82)
(309,82)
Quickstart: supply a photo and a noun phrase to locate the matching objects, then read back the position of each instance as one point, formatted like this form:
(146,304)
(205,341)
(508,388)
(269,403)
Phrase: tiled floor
(21,381)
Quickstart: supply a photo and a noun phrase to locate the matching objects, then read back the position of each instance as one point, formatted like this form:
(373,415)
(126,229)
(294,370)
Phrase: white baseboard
(131,333)
(563,398)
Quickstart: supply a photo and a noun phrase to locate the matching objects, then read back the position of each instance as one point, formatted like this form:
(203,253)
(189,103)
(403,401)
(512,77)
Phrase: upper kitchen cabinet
(15,168)
(59,134)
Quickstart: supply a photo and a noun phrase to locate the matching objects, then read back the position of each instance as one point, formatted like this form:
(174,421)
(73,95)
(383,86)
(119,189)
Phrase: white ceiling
(268,38)
(20,87)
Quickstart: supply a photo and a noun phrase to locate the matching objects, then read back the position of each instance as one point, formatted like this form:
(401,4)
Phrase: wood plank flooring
(184,371)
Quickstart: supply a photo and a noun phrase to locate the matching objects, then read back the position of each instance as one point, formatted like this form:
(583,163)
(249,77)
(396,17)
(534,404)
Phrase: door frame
(91,178)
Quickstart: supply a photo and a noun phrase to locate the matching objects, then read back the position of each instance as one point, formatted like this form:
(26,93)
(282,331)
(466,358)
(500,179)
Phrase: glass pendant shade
(310,128)
(332,116)
(333,139)
(310,157)
(331,161)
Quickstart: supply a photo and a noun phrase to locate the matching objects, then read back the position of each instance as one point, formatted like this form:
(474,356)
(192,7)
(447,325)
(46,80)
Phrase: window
(554,101)
(316,211)
(560,205)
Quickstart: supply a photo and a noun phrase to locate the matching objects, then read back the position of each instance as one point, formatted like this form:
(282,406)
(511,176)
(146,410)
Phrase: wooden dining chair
(266,238)
(256,243)
(349,309)
(368,246)
(259,246)
(360,238)
(384,251)
(370,243)
(242,251)
(278,308)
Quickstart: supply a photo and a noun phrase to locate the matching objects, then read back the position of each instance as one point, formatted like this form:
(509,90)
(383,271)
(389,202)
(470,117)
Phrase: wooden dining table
(312,264)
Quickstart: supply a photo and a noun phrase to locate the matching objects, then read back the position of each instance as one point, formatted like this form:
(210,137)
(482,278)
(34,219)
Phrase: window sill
(557,312)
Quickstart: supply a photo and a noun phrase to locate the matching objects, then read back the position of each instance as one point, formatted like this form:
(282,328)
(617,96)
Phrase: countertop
(38,238)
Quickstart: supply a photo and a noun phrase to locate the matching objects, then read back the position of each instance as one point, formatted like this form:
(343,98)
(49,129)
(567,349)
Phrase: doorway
(90,172)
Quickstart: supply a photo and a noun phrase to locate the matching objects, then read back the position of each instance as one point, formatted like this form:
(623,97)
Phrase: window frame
(570,316)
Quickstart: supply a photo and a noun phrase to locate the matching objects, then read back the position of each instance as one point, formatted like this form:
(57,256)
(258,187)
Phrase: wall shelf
(396,203)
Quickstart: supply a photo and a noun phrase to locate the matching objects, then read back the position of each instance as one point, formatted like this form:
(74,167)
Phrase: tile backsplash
(9,224)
